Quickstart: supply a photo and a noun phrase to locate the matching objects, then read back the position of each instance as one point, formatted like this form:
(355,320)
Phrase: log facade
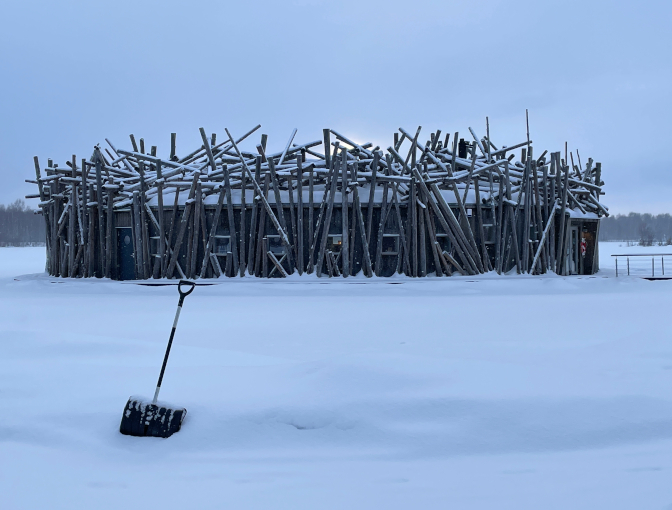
(331,207)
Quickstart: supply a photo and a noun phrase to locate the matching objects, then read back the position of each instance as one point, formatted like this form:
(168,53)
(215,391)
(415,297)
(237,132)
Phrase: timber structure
(330,207)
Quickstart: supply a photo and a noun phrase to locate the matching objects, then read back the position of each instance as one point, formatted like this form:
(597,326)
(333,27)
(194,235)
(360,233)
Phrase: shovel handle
(183,293)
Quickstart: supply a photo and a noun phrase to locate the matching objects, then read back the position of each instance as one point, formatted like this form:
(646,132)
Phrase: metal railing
(640,267)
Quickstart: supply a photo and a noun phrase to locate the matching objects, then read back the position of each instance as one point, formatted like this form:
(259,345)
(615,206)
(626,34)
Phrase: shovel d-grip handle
(183,294)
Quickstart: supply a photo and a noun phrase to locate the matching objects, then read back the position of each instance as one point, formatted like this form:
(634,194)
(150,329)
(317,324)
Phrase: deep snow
(491,392)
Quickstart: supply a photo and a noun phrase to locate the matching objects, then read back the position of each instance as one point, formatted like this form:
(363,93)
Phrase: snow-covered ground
(469,393)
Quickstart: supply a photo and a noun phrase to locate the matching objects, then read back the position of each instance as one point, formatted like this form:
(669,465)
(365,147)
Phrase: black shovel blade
(142,418)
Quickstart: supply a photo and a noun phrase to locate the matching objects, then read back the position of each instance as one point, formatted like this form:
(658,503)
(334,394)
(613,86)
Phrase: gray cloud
(596,74)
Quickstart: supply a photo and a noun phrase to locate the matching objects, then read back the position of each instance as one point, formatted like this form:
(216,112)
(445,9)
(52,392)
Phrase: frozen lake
(493,392)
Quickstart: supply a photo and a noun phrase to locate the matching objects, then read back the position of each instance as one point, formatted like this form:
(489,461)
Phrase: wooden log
(99,207)
(292,214)
(552,196)
(173,138)
(137,242)
(471,173)
(332,264)
(326,133)
(539,219)
(311,210)
(372,192)
(191,232)
(92,238)
(173,223)
(543,239)
(213,232)
(412,214)
(454,262)
(231,221)
(216,268)
(560,257)
(433,242)
(160,213)
(262,227)
(526,218)
(327,220)
(196,228)
(71,220)
(402,235)
(146,258)
(289,143)
(420,208)
(182,227)
(253,220)
(277,264)
(345,261)
(353,226)
(381,231)
(228,272)
(333,169)
(498,233)
(243,227)
(368,271)
(300,233)
(265,257)
(88,248)
(479,222)
(544,191)
(110,242)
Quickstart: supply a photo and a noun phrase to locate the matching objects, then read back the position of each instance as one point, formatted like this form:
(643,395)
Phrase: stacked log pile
(449,205)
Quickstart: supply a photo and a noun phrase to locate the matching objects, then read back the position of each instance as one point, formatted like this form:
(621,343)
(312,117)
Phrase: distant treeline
(20,226)
(646,229)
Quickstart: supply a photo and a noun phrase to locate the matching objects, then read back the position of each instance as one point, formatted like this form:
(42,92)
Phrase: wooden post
(345,262)
(213,232)
(412,216)
(251,258)
(197,225)
(423,242)
(381,230)
(362,230)
(99,207)
(243,218)
(262,226)
(560,257)
(110,240)
(85,221)
(137,243)
(372,192)
(327,220)
(231,220)
(299,225)
(311,207)
(183,227)
(159,188)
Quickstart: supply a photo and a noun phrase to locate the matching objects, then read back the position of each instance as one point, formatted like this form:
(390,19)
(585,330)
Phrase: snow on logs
(223,211)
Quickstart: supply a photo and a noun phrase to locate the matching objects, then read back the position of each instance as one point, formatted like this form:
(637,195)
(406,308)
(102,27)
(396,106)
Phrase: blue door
(126,257)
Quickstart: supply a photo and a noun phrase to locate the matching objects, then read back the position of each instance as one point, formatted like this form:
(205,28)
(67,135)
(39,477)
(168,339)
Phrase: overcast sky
(596,74)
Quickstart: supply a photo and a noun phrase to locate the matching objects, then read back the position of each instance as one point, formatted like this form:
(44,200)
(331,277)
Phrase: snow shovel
(142,418)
